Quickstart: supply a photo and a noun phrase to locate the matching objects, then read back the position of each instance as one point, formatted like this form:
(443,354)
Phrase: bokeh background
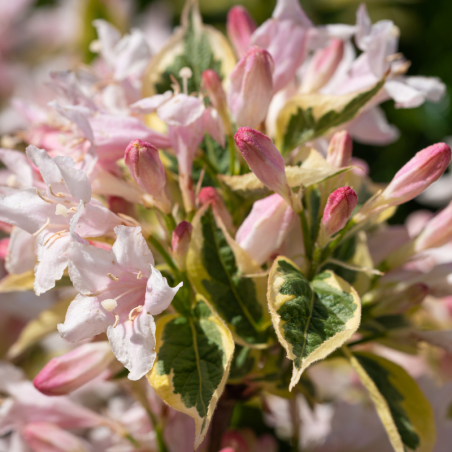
(65,27)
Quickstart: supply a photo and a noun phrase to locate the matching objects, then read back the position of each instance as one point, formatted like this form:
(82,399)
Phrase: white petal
(432,87)
(150,104)
(159,294)
(52,260)
(89,267)
(25,209)
(19,165)
(371,127)
(109,37)
(181,110)
(96,220)
(405,96)
(21,252)
(133,343)
(78,115)
(85,318)
(131,249)
(76,181)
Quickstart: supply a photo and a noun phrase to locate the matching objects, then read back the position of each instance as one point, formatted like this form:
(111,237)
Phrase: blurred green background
(425,41)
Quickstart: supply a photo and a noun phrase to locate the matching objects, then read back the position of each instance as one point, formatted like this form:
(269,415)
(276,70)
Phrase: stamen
(175,84)
(42,227)
(116,321)
(59,194)
(112,277)
(139,275)
(11,181)
(133,314)
(43,198)
(53,235)
(185,73)
(61,210)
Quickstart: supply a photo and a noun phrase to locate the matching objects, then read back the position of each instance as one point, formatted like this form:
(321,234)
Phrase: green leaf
(216,270)
(311,319)
(309,116)
(196,46)
(194,354)
(403,409)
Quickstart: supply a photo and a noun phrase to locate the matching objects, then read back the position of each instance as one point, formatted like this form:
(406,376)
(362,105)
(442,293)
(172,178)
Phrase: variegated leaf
(194,354)
(311,319)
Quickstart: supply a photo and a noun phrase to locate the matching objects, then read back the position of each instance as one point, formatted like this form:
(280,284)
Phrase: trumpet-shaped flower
(47,213)
(119,292)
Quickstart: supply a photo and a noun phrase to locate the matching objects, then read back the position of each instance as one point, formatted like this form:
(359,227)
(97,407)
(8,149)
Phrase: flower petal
(159,294)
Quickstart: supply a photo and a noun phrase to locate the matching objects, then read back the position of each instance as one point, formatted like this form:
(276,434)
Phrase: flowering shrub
(211,243)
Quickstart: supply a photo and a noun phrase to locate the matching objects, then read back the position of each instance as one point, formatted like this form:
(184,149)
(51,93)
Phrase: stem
(159,247)
(295,423)
(158,432)
(306,236)
(221,420)
(132,440)
(231,145)
(210,169)
(336,242)
(169,221)
(315,262)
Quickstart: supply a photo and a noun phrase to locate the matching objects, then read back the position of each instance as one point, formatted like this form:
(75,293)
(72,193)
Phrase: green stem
(231,145)
(336,242)
(210,169)
(169,221)
(158,432)
(315,262)
(132,440)
(306,235)
(159,247)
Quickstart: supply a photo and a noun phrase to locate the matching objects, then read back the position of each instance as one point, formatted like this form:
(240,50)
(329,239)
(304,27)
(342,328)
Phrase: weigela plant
(204,215)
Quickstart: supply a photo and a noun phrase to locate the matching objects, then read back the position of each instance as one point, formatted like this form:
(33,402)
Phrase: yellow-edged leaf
(15,283)
(311,319)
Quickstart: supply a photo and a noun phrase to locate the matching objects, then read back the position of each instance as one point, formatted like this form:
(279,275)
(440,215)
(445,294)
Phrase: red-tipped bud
(251,88)
(240,26)
(264,160)
(437,232)
(339,207)
(208,195)
(4,244)
(322,66)
(400,302)
(340,149)
(144,164)
(69,372)
(180,242)
(420,172)
(47,437)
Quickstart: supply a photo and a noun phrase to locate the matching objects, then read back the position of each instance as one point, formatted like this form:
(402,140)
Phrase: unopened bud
(264,160)
(411,180)
(240,26)
(209,195)
(47,437)
(437,232)
(180,242)
(339,207)
(400,302)
(322,66)
(251,88)
(211,84)
(421,171)
(340,149)
(69,372)
(4,244)
(144,164)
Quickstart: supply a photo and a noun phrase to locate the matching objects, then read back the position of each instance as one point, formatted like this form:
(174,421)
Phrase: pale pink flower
(47,213)
(120,292)
(209,195)
(240,27)
(251,88)
(340,149)
(66,373)
(180,242)
(265,228)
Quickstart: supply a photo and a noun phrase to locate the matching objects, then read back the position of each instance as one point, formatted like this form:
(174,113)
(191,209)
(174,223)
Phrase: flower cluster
(198,219)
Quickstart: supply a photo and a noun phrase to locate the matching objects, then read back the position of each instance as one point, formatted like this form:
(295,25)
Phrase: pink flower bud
(437,232)
(69,372)
(263,231)
(180,242)
(339,207)
(240,26)
(47,437)
(209,195)
(322,66)
(340,149)
(211,84)
(4,244)
(400,302)
(144,164)
(264,160)
(421,171)
(250,91)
